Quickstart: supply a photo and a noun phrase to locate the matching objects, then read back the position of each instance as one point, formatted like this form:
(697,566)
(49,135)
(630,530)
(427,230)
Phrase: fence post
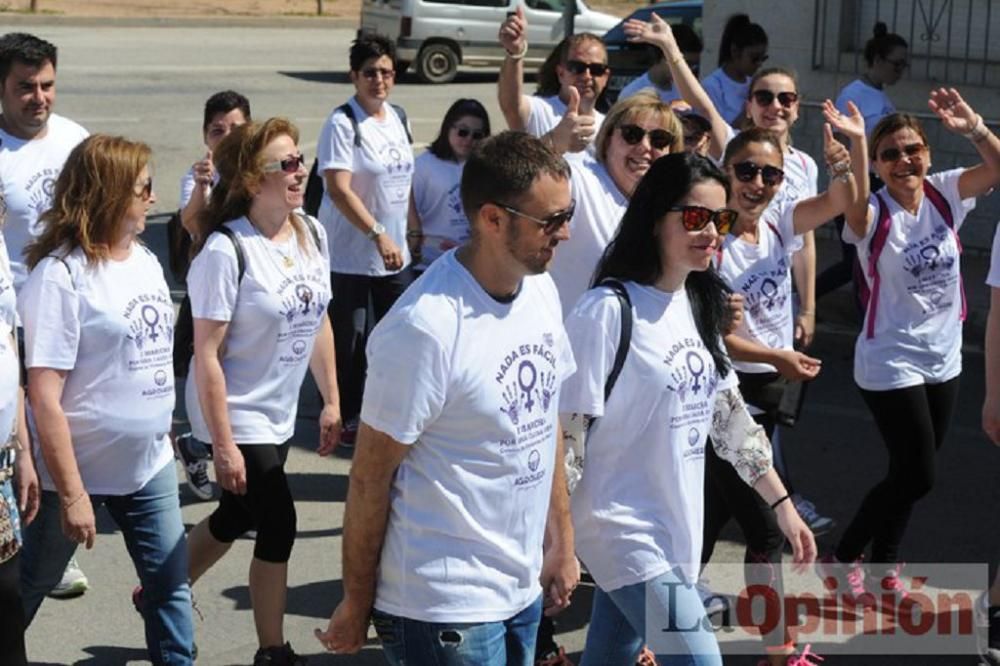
(319,7)
(34,6)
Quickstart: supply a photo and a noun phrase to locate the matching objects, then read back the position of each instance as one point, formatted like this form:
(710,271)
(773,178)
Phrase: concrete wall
(790,24)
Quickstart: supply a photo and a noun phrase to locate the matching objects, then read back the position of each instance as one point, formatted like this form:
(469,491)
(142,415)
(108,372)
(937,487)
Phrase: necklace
(287,258)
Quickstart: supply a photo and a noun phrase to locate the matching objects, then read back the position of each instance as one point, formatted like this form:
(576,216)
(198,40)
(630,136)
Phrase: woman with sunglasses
(638,509)
(742,50)
(436,221)
(754,260)
(259,289)
(908,356)
(98,324)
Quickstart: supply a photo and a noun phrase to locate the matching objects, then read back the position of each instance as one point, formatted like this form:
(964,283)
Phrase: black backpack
(314,185)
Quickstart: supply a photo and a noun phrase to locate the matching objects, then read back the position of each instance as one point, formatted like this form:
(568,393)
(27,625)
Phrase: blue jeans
(618,625)
(510,642)
(150,521)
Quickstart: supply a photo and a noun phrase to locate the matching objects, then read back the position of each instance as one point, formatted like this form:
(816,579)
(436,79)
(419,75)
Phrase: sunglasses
(145,189)
(372,72)
(288,165)
(464,132)
(579,67)
(747,171)
(550,224)
(766,98)
(895,154)
(696,218)
(658,138)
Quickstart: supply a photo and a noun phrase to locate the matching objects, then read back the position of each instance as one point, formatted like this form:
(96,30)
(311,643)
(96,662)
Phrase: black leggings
(267,506)
(913,422)
(728,496)
(12,651)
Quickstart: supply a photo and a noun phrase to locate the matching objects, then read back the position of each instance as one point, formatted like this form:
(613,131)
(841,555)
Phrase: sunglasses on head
(658,138)
(371,72)
(747,171)
(145,189)
(766,98)
(288,165)
(550,224)
(579,67)
(464,132)
(696,218)
(895,154)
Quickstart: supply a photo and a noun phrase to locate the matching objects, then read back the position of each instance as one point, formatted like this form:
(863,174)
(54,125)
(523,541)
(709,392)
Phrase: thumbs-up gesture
(513,32)
(834,151)
(575,131)
(204,170)
(851,125)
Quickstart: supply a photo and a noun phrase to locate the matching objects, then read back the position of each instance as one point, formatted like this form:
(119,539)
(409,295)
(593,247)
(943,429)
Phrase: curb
(332,22)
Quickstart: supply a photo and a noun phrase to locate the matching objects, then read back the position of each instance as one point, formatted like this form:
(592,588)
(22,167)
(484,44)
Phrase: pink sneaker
(847,579)
(890,584)
(798,659)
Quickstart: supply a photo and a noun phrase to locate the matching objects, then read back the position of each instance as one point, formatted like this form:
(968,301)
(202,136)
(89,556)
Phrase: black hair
(882,43)
(503,168)
(548,77)
(24,48)
(687,39)
(740,33)
(748,136)
(634,254)
(371,45)
(441,147)
(224,102)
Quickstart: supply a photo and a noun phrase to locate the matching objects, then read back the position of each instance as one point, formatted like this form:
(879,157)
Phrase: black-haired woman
(638,510)
(742,50)
(436,221)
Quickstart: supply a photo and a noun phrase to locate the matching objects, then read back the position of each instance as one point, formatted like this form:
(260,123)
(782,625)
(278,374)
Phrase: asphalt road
(150,84)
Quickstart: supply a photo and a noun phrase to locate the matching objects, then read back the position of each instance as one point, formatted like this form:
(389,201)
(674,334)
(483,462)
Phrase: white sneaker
(73,583)
(819,524)
(714,603)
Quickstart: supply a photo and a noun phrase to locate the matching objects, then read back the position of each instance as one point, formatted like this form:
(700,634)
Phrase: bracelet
(518,56)
(979,132)
(839,168)
(775,505)
(73,501)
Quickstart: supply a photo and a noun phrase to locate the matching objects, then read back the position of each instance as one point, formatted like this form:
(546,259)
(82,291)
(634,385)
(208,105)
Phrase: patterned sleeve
(737,438)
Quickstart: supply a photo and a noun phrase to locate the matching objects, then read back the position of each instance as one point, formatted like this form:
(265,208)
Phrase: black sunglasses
(464,132)
(288,165)
(747,171)
(895,154)
(696,218)
(658,138)
(579,67)
(145,190)
(550,224)
(766,98)
(371,72)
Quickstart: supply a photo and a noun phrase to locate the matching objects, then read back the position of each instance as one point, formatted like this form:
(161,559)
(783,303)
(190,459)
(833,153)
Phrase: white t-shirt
(801,174)
(918,332)
(381,171)
(28,174)
(761,271)
(667,95)
(9,367)
(600,206)
(273,314)
(728,96)
(638,511)
(471,385)
(438,200)
(110,324)
(546,112)
(873,103)
(993,278)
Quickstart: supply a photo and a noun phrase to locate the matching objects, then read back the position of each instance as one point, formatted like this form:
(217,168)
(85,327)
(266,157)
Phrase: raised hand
(834,152)
(955,113)
(514,31)
(656,32)
(851,124)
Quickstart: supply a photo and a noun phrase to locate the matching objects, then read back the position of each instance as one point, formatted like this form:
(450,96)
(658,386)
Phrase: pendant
(289,262)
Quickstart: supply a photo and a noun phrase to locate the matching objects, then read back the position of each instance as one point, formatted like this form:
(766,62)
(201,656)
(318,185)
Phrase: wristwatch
(376,231)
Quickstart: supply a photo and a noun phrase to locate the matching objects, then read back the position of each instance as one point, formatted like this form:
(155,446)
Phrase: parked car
(630,60)
(439,35)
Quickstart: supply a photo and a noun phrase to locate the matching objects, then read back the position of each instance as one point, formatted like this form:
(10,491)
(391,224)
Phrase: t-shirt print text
(527,382)
(931,263)
(40,188)
(151,330)
(303,303)
(398,165)
(693,379)
(764,290)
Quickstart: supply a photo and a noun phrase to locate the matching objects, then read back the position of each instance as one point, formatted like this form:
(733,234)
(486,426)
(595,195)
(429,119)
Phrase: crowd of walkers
(573,342)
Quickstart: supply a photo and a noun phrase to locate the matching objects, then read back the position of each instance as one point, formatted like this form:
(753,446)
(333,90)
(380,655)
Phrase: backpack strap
(401,112)
(348,111)
(311,223)
(624,336)
(241,261)
(875,246)
(937,200)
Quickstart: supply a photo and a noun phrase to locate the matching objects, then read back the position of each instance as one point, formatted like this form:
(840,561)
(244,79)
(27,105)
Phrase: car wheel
(437,63)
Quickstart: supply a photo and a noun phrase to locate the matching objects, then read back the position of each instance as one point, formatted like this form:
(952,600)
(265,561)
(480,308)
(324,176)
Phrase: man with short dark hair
(34,145)
(455,487)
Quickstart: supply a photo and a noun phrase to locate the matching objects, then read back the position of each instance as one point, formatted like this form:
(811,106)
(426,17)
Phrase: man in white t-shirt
(455,487)
(34,142)
(34,145)
(566,122)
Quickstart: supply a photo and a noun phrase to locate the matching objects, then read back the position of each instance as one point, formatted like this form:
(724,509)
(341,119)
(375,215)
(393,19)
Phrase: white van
(439,35)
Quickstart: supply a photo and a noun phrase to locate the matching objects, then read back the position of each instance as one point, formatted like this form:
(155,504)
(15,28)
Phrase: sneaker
(194,457)
(714,603)
(73,583)
(847,579)
(555,658)
(819,524)
(349,433)
(889,585)
(804,658)
(282,655)
(646,657)
(988,621)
